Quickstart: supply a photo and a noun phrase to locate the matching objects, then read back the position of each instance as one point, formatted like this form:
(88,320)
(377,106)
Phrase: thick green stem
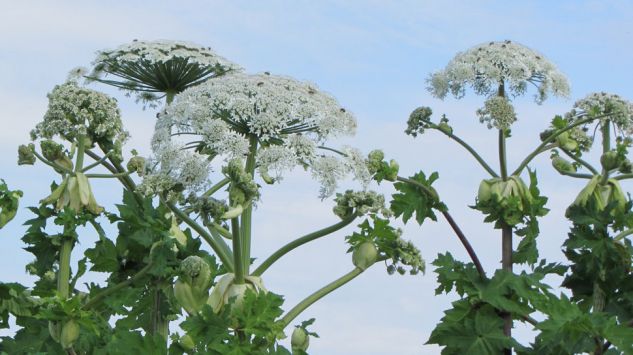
(623,235)
(308,301)
(301,241)
(606,146)
(217,244)
(63,280)
(506,231)
(247,215)
(169,97)
(238,264)
(116,288)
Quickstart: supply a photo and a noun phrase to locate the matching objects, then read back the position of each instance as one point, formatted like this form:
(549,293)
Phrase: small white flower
(487,65)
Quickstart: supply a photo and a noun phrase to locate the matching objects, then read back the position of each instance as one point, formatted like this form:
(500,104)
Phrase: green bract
(226,290)
(365,255)
(192,287)
(300,340)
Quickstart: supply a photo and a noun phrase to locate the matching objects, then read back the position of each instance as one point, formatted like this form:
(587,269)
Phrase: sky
(374,57)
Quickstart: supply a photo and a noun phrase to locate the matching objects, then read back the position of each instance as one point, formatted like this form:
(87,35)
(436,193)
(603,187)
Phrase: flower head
(74,110)
(266,106)
(149,67)
(497,112)
(612,107)
(486,66)
(287,118)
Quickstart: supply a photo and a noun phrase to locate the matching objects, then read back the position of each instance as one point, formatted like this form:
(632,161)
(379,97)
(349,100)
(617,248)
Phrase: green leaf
(412,199)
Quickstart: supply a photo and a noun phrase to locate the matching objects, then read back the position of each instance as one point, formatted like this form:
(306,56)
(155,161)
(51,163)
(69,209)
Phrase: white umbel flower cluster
(486,66)
(613,107)
(267,106)
(148,67)
(289,120)
(74,110)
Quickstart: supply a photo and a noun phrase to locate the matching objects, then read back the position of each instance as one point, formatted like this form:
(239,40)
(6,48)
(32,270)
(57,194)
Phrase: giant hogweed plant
(181,250)
(594,316)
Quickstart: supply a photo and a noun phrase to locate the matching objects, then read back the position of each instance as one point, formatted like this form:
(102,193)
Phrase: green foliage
(416,199)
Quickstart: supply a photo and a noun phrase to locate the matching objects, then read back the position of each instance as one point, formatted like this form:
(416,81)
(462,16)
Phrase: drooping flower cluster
(149,67)
(74,110)
(486,66)
(288,119)
(360,202)
(497,112)
(613,107)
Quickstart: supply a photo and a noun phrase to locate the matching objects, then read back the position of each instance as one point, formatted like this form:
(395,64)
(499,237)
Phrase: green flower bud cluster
(226,290)
(511,199)
(360,202)
(406,253)
(208,206)
(602,195)
(192,287)
(242,190)
(26,155)
(137,164)
(418,120)
(9,202)
(379,168)
(75,192)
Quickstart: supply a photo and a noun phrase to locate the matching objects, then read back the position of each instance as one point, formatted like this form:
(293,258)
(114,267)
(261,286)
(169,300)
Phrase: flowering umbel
(485,66)
(610,106)
(148,68)
(285,119)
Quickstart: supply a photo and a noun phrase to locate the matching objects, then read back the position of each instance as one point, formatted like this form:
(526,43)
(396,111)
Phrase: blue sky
(374,57)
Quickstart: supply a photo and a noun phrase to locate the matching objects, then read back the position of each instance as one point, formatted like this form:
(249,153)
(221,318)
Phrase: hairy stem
(301,241)
(465,243)
(247,215)
(238,264)
(308,301)
(217,244)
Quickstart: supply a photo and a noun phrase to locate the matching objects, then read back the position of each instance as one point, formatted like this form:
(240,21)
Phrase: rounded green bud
(562,165)
(69,334)
(445,127)
(300,340)
(610,160)
(26,155)
(484,194)
(565,141)
(365,255)
(394,167)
